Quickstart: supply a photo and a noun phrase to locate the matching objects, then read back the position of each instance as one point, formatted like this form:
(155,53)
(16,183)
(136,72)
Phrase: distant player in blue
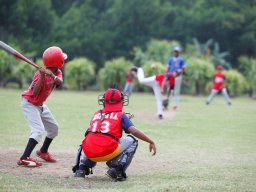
(176,63)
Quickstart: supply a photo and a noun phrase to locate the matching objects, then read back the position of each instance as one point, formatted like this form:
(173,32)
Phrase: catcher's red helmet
(113,100)
(54,57)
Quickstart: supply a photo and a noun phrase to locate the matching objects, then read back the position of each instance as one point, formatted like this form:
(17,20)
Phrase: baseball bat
(16,54)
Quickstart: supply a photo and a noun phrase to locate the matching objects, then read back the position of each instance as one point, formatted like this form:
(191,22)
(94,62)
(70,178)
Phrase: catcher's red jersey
(98,145)
(218,81)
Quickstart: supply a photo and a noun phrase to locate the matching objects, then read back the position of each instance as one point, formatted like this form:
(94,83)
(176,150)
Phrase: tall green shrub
(248,66)
(7,64)
(235,82)
(79,73)
(113,74)
(199,72)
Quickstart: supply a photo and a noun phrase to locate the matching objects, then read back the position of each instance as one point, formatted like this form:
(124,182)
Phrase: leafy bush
(7,64)
(199,72)
(113,74)
(248,66)
(79,73)
(23,73)
(235,82)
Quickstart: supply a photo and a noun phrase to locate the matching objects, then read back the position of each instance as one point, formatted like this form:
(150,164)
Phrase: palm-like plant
(203,49)
(218,58)
(206,51)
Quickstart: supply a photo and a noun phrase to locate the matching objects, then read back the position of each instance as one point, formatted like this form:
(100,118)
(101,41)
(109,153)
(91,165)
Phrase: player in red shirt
(155,82)
(103,140)
(129,82)
(38,115)
(218,85)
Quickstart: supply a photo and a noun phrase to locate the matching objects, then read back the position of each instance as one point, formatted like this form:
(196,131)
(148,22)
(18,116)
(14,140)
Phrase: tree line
(105,30)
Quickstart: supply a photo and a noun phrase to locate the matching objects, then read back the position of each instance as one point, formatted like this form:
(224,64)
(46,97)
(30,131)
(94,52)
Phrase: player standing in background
(129,83)
(39,117)
(155,82)
(218,85)
(103,140)
(176,63)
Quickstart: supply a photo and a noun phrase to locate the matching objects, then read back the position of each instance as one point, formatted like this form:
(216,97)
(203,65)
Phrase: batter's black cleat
(160,116)
(229,103)
(111,173)
(80,173)
(207,103)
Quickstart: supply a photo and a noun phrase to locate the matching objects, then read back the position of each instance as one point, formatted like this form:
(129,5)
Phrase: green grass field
(199,147)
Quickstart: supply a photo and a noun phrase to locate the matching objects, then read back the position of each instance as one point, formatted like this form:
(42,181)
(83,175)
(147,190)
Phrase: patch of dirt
(60,174)
(62,168)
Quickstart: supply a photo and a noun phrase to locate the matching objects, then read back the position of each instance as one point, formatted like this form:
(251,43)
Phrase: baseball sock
(46,145)
(29,148)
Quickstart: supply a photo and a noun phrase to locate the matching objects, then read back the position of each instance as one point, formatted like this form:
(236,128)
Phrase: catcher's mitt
(165,103)
(129,115)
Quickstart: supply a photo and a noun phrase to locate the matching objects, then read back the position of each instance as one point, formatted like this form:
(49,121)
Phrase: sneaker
(111,173)
(45,156)
(229,103)
(160,116)
(29,162)
(207,103)
(80,173)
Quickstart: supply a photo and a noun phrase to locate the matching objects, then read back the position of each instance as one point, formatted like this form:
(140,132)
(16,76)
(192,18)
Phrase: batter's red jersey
(97,144)
(218,81)
(46,89)
(160,78)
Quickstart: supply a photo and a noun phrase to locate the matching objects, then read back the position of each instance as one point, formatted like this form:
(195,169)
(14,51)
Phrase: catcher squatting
(103,140)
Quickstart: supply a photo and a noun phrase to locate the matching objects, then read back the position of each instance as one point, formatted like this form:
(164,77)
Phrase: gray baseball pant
(40,119)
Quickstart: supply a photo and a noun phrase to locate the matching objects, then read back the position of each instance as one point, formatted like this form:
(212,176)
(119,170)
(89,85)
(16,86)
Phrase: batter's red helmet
(54,57)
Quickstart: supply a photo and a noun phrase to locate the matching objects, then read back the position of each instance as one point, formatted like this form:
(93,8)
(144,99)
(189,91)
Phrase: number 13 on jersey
(103,128)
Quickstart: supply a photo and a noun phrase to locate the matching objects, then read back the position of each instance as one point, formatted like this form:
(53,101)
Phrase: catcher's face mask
(113,100)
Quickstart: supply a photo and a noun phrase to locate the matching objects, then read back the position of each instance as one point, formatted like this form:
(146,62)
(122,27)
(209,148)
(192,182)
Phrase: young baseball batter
(156,82)
(218,85)
(38,115)
(103,140)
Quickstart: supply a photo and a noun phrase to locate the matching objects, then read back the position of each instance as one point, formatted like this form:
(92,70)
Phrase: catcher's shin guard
(76,166)
(123,160)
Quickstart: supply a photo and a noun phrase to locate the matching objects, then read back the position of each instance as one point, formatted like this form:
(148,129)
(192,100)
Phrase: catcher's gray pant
(151,81)
(40,119)
(214,93)
(128,88)
(125,143)
(176,91)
